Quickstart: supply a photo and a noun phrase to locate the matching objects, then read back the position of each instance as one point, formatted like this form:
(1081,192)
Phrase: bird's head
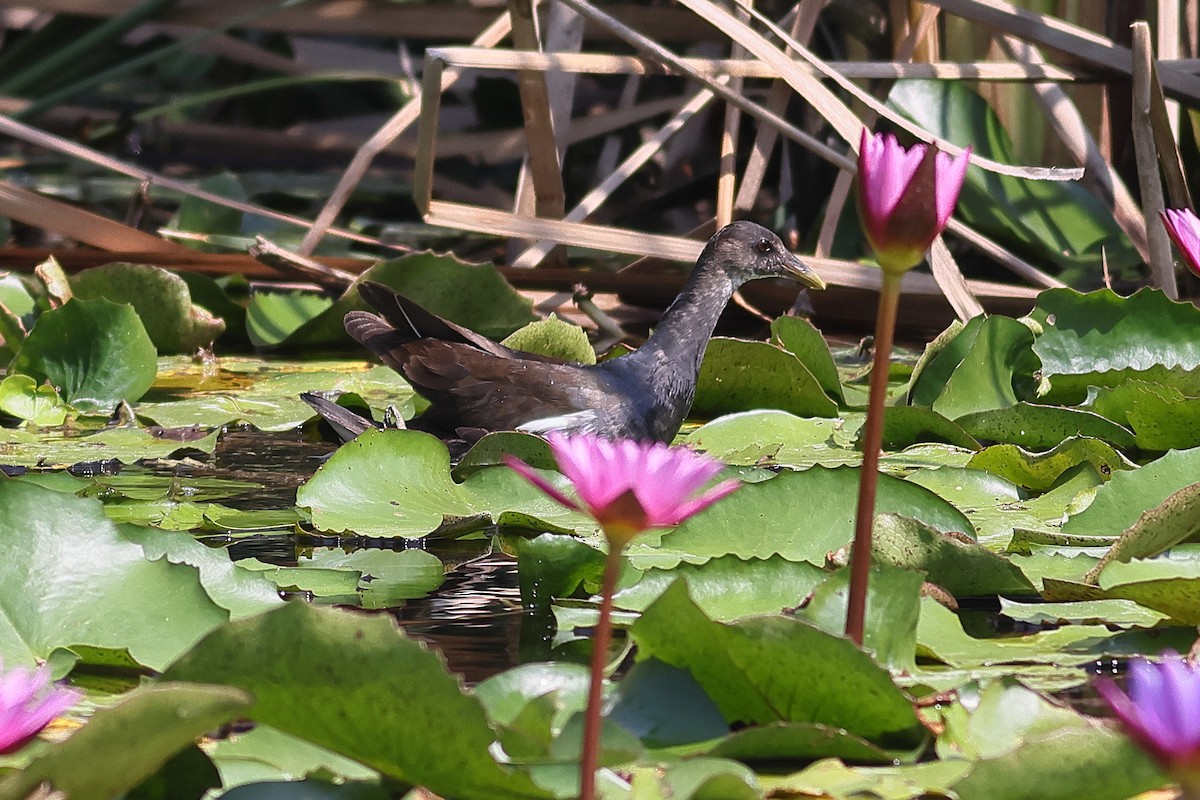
(746,250)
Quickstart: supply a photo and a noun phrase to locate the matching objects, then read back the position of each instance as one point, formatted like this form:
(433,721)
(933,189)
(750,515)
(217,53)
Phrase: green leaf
(1026,746)
(749,669)
(997,357)
(1124,613)
(830,778)
(739,375)
(1174,520)
(274,316)
(94,352)
(802,339)
(1059,222)
(63,447)
(727,587)
(769,436)
(1038,426)
(1041,471)
(161,299)
(907,425)
(1102,339)
(125,744)
(370,694)
(1160,416)
(263,754)
(397,483)
(235,589)
(21,397)
(780,517)
(473,295)
(961,568)
(553,337)
(893,606)
(269,397)
(555,566)
(93,587)
(1120,502)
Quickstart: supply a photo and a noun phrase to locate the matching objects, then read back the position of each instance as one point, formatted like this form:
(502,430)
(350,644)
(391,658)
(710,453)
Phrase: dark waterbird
(475,385)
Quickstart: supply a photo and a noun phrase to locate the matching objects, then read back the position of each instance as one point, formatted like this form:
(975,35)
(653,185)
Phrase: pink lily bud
(905,197)
(1184,228)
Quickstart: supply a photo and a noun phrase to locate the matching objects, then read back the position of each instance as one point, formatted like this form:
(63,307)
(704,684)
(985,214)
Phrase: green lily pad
(1041,471)
(833,779)
(553,337)
(1022,745)
(265,754)
(274,316)
(1102,339)
(234,588)
(749,669)
(21,397)
(473,295)
(961,568)
(397,483)
(998,357)
(1160,416)
(769,436)
(801,338)
(739,375)
(1124,613)
(1174,520)
(273,402)
(778,517)
(95,352)
(94,586)
(728,588)
(1040,426)
(892,608)
(907,425)
(388,691)
(1120,502)
(161,299)
(998,508)
(59,447)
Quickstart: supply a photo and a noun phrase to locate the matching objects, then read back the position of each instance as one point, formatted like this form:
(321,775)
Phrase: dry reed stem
(1162,266)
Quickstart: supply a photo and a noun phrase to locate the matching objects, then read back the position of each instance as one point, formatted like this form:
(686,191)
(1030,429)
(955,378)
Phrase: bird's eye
(764,246)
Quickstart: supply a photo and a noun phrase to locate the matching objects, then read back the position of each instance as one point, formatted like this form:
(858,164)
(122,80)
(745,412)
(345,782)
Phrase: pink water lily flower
(1184,228)
(627,486)
(905,197)
(1161,714)
(29,701)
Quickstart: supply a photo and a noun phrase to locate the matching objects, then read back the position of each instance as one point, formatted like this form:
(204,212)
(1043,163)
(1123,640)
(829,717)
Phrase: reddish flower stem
(590,757)
(860,557)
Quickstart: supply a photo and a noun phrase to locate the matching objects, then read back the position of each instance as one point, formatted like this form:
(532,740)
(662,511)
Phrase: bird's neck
(685,327)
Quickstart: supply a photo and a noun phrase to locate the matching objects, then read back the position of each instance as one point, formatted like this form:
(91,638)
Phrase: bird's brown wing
(467,387)
(412,322)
